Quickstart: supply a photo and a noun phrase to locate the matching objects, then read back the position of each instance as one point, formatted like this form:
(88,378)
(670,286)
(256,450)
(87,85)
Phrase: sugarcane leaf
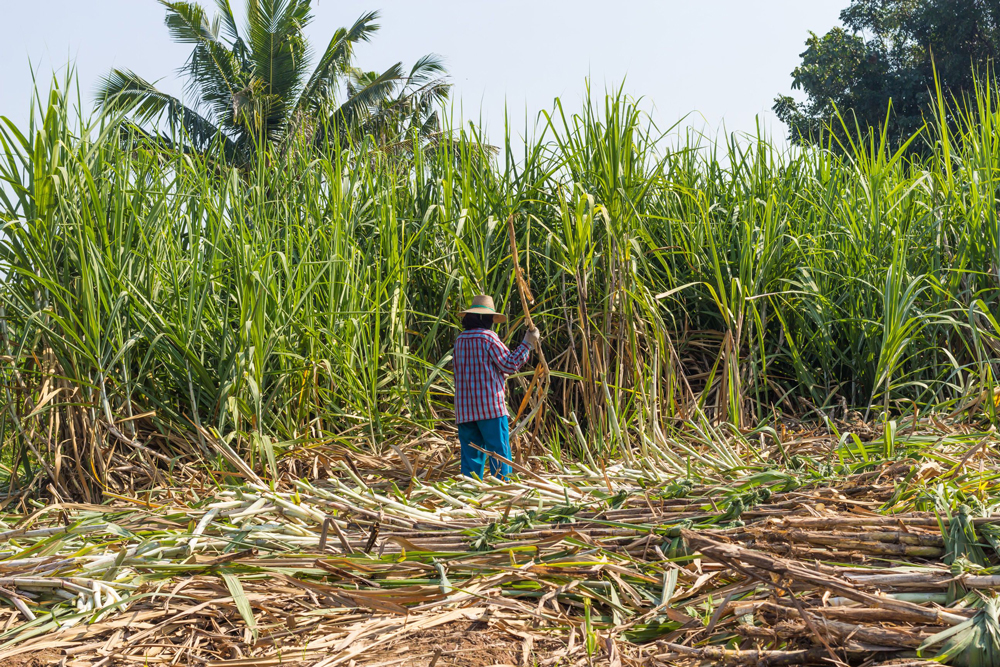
(240,599)
(266,447)
(974,643)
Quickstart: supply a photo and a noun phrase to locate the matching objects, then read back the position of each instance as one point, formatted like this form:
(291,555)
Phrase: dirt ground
(36,659)
(460,645)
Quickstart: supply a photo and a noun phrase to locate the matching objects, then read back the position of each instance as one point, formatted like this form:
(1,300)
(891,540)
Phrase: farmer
(481,363)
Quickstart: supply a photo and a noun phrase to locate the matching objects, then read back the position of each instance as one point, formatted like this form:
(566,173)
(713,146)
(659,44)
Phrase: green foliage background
(159,303)
(882,67)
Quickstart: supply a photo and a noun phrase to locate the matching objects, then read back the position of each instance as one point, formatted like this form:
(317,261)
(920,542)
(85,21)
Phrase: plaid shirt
(482,362)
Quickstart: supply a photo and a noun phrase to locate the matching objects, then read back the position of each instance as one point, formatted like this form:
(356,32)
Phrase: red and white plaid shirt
(482,362)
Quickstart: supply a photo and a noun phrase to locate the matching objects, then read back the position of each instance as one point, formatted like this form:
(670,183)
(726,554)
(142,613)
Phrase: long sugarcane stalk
(540,378)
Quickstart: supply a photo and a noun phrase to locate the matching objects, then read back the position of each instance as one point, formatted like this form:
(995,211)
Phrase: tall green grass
(686,288)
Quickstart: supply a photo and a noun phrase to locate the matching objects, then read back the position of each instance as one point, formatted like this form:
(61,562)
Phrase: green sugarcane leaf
(974,643)
(240,598)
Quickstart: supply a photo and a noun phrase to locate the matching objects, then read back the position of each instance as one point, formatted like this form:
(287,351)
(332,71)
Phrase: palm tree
(253,88)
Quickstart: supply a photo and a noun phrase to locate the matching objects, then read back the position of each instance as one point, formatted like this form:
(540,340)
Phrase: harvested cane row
(571,568)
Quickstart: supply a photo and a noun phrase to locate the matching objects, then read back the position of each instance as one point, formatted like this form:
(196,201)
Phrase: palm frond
(430,126)
(367,92)
(335,60)
(427,68)
(188,23)
(279,53)
(415,107)
(216,80)
(431,94)
(230,30)
(133,135)
(125,91)
(376,89)
(213,67)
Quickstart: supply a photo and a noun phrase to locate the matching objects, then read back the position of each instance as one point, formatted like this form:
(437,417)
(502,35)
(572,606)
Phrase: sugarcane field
(305,364)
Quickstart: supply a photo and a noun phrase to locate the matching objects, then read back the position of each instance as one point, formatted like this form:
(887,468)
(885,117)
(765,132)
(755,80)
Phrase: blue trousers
(493,435)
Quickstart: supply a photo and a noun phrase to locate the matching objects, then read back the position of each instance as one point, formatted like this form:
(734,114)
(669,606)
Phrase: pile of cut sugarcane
(807,562)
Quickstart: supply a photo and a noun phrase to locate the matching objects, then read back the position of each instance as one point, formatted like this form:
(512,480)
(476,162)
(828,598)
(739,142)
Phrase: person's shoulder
(479,336)
(477,333)
(466,337)
(491,335)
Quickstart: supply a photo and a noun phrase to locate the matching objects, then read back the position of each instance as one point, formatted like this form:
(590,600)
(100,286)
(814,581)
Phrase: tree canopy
(254,86)
(878,70)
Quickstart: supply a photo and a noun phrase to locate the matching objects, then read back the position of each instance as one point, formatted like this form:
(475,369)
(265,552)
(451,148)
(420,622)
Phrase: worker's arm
(508,361)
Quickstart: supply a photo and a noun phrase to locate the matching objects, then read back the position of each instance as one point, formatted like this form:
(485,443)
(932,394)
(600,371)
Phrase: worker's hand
(532,336)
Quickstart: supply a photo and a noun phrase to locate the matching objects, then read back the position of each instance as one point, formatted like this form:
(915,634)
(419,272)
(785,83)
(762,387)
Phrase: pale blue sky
(725,60)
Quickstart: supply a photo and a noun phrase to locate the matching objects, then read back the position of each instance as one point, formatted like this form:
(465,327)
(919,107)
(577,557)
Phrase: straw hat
(483,305)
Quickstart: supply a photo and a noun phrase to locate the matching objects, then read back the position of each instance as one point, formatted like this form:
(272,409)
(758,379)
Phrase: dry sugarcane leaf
(344,574)
(377,603)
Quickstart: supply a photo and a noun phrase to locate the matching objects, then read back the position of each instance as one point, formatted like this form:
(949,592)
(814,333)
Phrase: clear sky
(722,60)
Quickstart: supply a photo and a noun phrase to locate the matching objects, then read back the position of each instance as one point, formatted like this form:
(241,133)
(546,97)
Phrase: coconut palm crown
(253,87)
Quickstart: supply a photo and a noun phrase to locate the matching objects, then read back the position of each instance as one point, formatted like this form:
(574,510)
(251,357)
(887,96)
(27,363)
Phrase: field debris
(823,563)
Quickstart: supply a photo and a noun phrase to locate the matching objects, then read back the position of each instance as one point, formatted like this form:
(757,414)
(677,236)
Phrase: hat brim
(498,318)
